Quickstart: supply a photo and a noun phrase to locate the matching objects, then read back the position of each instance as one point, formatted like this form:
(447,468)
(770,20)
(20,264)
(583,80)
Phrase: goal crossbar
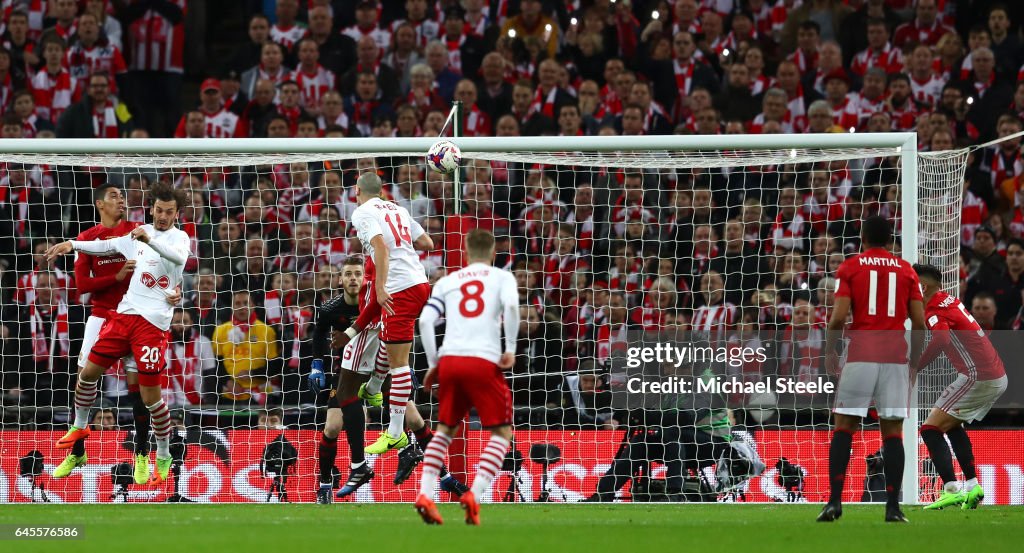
(899,141)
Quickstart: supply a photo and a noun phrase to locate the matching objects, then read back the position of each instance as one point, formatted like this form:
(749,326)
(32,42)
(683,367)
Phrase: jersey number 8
(472,292)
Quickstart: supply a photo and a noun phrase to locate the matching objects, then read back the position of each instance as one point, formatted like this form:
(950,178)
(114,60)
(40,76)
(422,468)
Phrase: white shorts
(888,384)
(92,332)
(969,400)
(360,353)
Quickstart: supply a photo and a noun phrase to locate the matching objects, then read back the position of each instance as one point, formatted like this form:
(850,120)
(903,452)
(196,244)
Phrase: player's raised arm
(432,313)
(88,283)
(834,329)
(421,241)
(939,340)
(916,313)
(381,262)
(369,231)
(510,314)
(92,247)
(175,251)
(111,246)
(167,204)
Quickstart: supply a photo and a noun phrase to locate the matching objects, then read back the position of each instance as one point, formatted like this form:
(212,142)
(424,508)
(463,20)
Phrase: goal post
(530,184)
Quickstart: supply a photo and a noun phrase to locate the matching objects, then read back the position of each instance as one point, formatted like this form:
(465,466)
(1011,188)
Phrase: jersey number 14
(400,231)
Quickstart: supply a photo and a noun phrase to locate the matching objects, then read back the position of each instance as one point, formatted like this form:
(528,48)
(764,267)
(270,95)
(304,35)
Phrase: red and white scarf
(244,326)
(185,375)
(58,343)
(684,83)
(455,52)
(362,115)
(584,231)
(797,109)
(332,250)
(341,120)
(1002,170)
(983,86)
(759,84)
(478,123)
(845,114)
(804,63)
(649,316)
(801,352)
(888,58)
(478,28)
(52,93)
(277,78)
(274,304)
(298,319)
(19,199)
(788,234)
(6,93)
(104,121)
(558,272)
(610,340)
(544,104)
(652,110)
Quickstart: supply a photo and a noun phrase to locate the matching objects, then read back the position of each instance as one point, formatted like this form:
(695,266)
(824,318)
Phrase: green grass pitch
(519,528)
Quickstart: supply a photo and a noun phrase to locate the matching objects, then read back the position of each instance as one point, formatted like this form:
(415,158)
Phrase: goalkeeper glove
(317,379)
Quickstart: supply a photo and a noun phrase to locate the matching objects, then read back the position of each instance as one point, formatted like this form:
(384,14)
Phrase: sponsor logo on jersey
(150,281)
(109,260)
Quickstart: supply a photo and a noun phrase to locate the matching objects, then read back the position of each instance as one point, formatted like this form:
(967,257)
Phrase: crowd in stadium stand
(595,252)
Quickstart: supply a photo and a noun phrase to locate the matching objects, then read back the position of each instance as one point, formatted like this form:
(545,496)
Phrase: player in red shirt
(882,291)
(106,280)
(981,381)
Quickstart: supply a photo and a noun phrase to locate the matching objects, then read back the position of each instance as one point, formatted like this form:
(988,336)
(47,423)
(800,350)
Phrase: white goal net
(671,236)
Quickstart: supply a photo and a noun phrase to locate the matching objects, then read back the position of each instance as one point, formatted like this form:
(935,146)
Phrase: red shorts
(123,334)
(464,382)
(407,305)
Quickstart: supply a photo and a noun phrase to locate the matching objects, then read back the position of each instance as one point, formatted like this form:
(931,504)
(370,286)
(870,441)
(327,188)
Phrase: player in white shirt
(143,317)
(477,303)
(390,236)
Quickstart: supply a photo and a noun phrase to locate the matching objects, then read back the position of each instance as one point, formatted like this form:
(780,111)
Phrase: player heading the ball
(476,303)
(390,236)
(140,325)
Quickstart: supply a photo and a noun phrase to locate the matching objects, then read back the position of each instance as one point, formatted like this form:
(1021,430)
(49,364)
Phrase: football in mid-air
(444,157)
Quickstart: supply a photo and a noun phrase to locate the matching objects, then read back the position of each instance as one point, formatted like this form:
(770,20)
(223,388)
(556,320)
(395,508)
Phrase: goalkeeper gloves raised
(317,379)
